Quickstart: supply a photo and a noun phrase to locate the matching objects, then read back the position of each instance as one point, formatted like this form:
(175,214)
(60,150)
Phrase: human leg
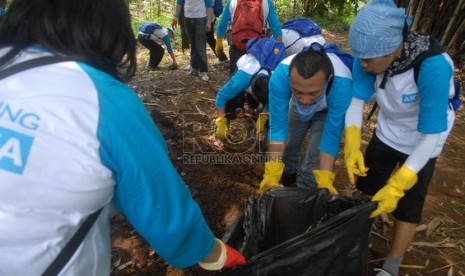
(200,43)
(407,215)
(234,55)
(190,31)
(312,155)
(297,130)
(156,55)
(156,52)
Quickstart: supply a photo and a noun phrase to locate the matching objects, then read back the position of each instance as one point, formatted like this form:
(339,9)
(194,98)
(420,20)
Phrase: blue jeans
(195,29)
(296,133)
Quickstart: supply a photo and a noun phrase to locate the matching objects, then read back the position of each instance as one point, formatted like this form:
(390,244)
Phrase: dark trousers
(382,161)
(195,29)
(234,55)
(156,51)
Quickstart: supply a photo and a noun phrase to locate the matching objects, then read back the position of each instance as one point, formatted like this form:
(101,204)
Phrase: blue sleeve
(148,190)
(167,41)
(280,94)
(363,82)
(224,19)
(180,2)
(235,85)
(273,20)
(338,101)
(434,80)
(208,3)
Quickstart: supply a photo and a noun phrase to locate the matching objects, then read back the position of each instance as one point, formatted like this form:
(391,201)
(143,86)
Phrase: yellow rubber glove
(353,157)
(261,122)
(389,195)
(273,173)
(219,45)
(222,130)
(325,180)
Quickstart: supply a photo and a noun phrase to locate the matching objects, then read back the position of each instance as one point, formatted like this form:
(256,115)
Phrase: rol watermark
(243,146)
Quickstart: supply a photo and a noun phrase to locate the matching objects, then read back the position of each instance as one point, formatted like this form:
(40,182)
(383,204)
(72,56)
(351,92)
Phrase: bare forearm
(327,161)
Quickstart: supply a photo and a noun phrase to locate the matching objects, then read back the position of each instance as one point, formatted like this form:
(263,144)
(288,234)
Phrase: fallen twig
(440,268)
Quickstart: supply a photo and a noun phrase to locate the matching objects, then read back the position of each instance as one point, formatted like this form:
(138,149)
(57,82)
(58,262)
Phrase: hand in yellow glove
(353,157)
(273,173)
(261,122)
(325,180)
(389,195)
(222,130)
(219,46)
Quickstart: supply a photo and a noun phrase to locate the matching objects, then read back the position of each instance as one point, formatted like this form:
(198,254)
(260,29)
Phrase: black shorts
(382,160)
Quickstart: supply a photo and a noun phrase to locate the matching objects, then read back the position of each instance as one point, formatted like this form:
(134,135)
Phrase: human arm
(225,18)
(247,66)
(167,41)
(174,22)
(279,96)
(362,91)
(148,190)
(273,20)
(338,99)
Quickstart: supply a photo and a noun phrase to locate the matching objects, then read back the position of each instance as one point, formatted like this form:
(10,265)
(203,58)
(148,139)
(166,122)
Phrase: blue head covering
(377,29)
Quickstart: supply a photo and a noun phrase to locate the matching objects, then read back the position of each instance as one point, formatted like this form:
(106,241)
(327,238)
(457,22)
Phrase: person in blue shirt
(2,7)
(75,139)
(152,36)
(249,85)
(413,123)
(309,92)
(270,15)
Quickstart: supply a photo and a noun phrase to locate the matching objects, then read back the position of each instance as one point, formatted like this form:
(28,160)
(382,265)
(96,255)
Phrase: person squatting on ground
(198,15)
(309,92)
(152,36)
(249,84)
(299,33)
(414,119)
(68,147)
(247,22)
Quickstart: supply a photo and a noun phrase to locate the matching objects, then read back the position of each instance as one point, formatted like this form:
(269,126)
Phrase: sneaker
(187,68)
(381,272)
(204,76)
(193,72)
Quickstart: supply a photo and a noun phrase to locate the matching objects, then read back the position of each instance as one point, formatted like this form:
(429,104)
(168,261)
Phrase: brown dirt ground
(222,190)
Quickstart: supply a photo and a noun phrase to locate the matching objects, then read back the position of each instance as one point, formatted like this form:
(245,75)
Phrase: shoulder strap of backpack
(436,49)
(37,62)
(68,251)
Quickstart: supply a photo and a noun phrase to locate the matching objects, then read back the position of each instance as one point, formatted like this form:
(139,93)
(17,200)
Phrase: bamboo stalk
(452,21)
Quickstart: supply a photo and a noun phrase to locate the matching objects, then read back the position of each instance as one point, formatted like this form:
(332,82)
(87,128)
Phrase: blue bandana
(377,29)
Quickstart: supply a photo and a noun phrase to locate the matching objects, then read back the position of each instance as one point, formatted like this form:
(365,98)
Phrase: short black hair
(309,62)
(97,32)
(260,88)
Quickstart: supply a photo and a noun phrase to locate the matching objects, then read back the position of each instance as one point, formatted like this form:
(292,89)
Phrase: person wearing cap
(152,36)
(414,119)
(248,85)
(309,93)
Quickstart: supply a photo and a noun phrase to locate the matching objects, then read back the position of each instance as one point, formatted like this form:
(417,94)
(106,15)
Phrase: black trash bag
(294,231)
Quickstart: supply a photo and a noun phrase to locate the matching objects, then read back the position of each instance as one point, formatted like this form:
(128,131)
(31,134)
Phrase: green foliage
(333,15)
(335,23)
